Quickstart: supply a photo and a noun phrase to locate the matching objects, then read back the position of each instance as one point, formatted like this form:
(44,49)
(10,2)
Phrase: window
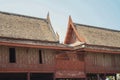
(40,56)
(12,55)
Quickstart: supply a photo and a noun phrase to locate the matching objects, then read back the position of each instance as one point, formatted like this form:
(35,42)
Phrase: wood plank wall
(26,57)
(102,63)
(70,62)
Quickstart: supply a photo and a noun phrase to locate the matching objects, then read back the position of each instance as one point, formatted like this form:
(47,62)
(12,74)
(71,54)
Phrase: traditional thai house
(27,48)
(96,51)
(30,50)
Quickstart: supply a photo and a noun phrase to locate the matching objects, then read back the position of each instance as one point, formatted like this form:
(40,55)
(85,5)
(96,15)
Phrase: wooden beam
(101,51)
(34,46)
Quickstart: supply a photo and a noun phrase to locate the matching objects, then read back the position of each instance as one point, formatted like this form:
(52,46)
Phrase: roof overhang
(33,44)
(97,48)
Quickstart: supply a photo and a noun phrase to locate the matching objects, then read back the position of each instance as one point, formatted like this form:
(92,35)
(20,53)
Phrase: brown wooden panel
(27,58)
(69,65)
(102,63)
(27,68)
(69,61)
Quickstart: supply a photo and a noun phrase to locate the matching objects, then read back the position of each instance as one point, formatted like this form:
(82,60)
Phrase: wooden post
(104,76)
(86,78)
(115,77)
(98,77)
(54,76)
(28,76)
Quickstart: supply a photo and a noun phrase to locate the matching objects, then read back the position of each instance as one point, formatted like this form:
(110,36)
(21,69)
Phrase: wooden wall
(70,62)
(69,65)
(102,63)
(27,59)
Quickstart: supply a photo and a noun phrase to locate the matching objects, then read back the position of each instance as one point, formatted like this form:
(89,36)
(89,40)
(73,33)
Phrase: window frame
(12,55)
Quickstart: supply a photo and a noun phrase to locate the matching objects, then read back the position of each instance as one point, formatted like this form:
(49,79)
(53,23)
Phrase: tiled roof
(26,27)
(98,36)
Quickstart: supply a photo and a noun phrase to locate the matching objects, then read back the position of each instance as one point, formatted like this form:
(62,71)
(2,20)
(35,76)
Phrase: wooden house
(28,46)
(30,50)
(96,51)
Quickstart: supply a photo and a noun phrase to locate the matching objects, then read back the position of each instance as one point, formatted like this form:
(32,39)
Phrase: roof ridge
(21,15)
(90,26)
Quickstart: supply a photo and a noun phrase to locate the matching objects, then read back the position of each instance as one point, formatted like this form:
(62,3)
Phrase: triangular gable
(72,35)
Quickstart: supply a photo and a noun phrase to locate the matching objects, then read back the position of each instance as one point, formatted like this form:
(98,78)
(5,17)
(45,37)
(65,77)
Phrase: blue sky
(101,13)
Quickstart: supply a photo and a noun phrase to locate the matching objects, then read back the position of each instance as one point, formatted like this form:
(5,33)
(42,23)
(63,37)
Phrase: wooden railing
(70,65)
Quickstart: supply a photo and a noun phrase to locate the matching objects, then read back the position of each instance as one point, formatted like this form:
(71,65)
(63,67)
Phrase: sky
(100,13)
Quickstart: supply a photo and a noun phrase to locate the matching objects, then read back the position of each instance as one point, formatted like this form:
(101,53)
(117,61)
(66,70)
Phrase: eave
(33,44)
(97,48)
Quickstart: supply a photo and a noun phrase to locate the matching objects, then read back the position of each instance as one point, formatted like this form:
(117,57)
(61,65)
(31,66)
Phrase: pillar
(104,78)
(115,76)
(28,76)
(98,77)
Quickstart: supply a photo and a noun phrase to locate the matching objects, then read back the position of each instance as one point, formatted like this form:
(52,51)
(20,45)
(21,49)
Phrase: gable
(72,35)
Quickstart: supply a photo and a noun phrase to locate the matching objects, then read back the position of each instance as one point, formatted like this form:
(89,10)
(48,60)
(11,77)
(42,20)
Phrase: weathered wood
(102,63)
(70,65)
(27,59)
(28,76)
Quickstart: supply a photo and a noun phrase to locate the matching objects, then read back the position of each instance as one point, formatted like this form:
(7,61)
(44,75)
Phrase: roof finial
(70,19)
(48,18)
(47,14)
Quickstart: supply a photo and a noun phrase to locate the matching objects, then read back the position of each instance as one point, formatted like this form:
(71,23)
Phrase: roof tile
(25,27)
(99,36)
